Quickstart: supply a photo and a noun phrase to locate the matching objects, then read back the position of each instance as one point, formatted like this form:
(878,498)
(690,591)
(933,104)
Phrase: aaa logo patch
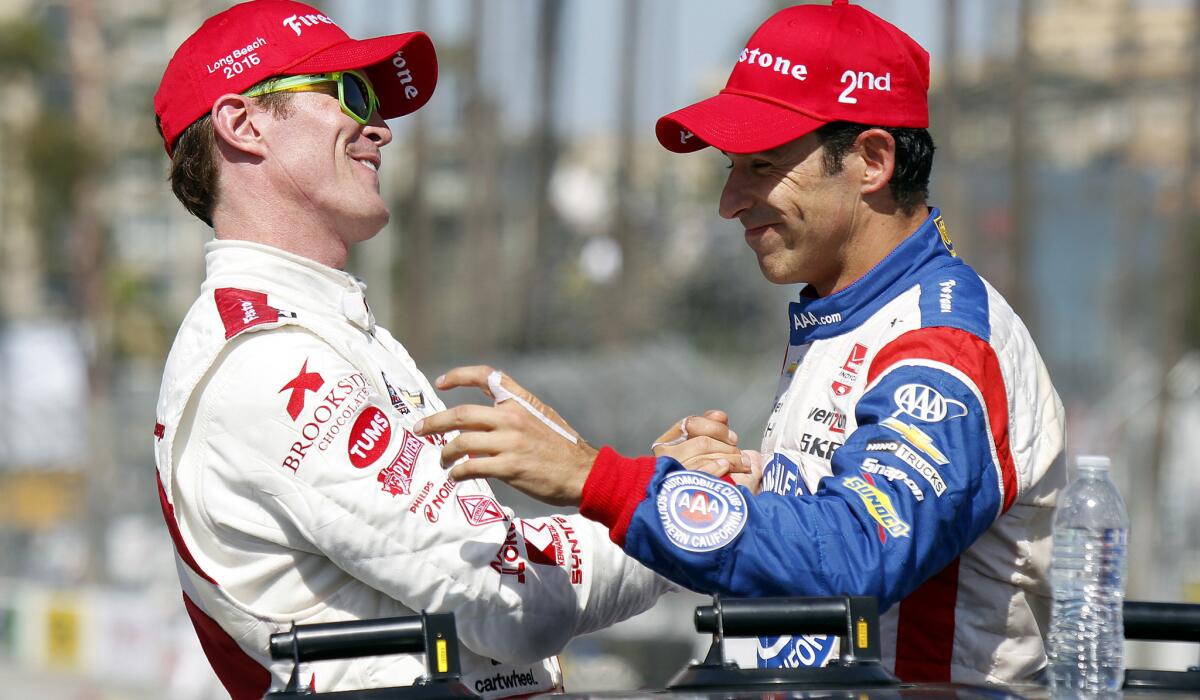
(700,513)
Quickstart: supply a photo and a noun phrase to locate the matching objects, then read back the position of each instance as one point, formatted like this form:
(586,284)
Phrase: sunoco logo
(927,404)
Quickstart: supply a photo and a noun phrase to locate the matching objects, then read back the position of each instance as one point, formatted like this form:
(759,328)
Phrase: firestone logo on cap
(804,67)
(248,43)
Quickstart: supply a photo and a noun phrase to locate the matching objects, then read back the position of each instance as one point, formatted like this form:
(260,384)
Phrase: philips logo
(295,21)
(946,297)
(779,64)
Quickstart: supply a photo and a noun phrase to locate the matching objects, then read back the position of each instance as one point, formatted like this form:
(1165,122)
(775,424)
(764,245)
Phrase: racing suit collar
(813,318)
(293,282)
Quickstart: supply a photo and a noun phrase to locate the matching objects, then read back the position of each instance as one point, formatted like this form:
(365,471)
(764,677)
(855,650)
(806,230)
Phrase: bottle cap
(1093,462)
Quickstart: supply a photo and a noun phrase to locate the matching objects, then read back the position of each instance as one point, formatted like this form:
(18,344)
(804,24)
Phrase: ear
(233,118)
(877,149)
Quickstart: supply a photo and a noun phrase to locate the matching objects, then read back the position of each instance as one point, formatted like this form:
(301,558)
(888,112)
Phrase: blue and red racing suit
(915,454)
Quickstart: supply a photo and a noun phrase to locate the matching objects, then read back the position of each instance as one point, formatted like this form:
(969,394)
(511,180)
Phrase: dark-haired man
(914,450)
(292,486)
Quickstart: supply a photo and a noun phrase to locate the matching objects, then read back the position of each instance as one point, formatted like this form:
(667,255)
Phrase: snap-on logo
(369,437)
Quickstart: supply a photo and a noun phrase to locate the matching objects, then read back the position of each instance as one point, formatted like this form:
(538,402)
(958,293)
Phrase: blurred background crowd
(538,226)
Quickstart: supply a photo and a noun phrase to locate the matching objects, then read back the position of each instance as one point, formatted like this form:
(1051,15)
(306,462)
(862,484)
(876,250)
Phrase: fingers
(473,445)
(717,415)
(705,425)
(480,468)
(700,446)
(465,417)
(717,465)
(472,376)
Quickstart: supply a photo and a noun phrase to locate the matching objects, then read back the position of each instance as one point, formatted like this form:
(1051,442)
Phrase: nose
(378,131)
(734,196)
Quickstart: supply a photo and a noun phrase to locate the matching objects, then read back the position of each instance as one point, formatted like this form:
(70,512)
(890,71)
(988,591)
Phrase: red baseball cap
(807,66)
(248,43)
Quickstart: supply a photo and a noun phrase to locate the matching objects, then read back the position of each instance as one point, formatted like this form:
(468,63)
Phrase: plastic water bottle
(1087,573)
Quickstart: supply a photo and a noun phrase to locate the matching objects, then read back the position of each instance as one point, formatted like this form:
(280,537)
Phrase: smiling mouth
(372,165)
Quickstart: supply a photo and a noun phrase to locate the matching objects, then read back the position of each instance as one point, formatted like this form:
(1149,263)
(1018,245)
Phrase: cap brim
(402,86)
(734,124)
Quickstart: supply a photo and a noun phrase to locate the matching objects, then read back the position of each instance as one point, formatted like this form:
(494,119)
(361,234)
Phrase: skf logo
(310,20)
(879,506)
(304,382)
(369,437)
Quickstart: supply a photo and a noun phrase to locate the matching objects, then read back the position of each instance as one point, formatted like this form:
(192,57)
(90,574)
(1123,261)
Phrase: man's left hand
(509,443)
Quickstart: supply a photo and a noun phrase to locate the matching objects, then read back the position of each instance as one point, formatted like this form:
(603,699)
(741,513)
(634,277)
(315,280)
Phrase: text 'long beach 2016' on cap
(804,67)
(248,43)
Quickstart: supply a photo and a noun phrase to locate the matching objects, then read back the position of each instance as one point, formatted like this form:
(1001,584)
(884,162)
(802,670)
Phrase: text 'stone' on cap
(248,43)
(804,67)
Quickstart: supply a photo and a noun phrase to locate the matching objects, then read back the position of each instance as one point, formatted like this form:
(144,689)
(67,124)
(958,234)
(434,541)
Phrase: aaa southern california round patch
(699,512)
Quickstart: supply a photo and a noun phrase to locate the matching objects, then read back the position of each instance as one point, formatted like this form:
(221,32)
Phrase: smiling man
(292,486)
(914,451)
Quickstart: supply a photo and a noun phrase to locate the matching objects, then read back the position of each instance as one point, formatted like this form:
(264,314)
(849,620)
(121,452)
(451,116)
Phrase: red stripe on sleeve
(168,512)
(614,488)
(925,629)
(242,677)
(973,357)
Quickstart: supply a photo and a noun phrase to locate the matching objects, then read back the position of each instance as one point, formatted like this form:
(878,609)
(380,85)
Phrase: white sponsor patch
(700,513)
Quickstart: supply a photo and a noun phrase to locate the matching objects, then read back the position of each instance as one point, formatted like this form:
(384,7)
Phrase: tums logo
(304,382)
(368,438)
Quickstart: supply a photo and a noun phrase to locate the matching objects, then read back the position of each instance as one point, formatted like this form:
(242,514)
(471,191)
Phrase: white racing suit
(295,493)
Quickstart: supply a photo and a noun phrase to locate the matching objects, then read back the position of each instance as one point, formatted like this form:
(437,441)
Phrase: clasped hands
(508,442)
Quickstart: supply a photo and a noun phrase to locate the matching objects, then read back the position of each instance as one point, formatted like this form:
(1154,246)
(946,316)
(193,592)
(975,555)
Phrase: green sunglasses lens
(356,97)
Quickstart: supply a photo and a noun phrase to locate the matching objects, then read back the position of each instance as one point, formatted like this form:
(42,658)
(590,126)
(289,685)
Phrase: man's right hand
(703,443)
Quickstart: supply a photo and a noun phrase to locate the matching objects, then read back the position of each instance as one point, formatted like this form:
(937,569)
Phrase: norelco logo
(779,64)
(295,21)
(947,295)
(806,319)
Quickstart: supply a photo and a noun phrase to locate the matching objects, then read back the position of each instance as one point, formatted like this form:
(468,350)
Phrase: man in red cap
(292,486)
(914,451)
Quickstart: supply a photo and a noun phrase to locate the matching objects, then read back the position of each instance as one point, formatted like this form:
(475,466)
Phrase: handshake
(526,444)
